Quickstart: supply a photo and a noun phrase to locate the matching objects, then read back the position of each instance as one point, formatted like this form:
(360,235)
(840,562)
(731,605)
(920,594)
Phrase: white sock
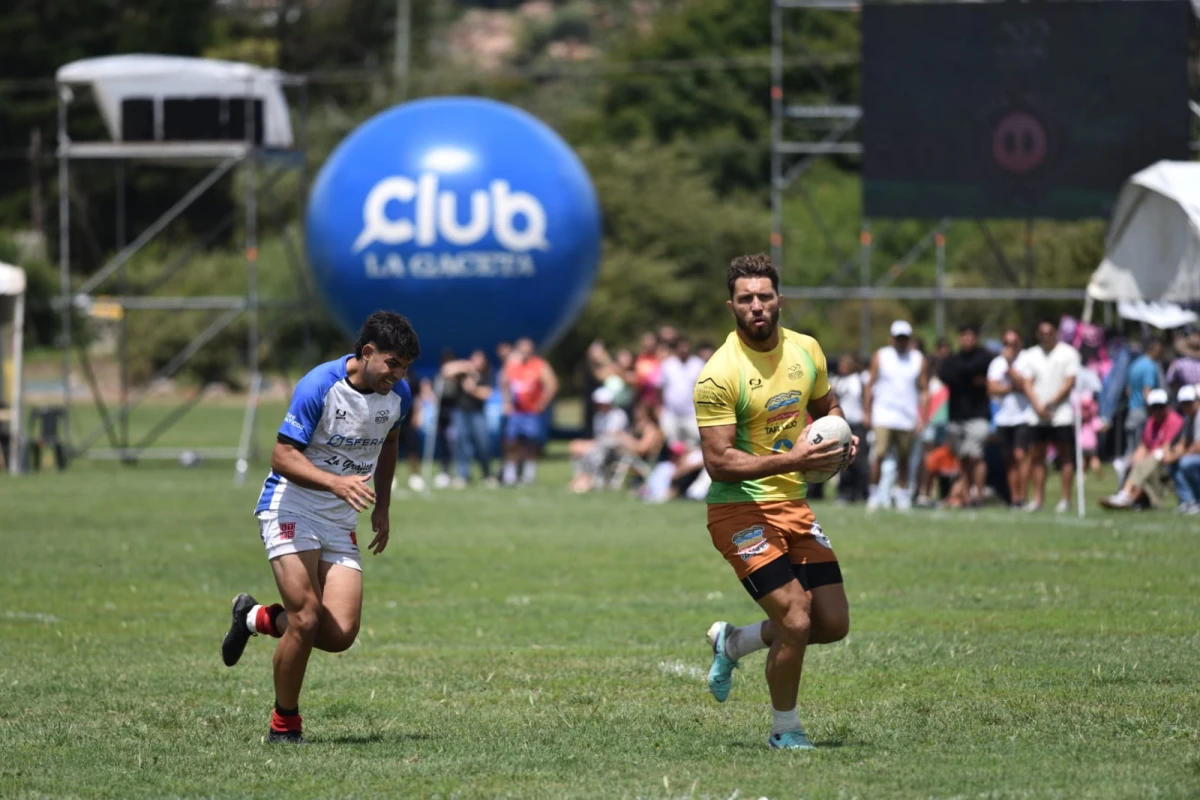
(529,471)
(785,721)
(250,617)
(510,472)
(744,640)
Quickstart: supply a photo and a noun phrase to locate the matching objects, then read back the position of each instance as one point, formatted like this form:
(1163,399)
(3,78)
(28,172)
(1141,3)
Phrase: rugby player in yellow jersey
(751,401)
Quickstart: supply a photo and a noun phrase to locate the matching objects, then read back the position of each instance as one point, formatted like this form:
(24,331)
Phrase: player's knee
(795,626)
(837,627)
(305,621)
(341,638)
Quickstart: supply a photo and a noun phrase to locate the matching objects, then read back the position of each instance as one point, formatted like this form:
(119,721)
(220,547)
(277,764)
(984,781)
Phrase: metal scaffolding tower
(261,167)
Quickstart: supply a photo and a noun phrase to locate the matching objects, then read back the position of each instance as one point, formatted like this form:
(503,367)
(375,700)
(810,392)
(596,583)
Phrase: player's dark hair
(753,266)
(969,326)
(391,333)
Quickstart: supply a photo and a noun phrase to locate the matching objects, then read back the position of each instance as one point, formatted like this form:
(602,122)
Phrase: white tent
(12,315)
(1152,250)
(116,78)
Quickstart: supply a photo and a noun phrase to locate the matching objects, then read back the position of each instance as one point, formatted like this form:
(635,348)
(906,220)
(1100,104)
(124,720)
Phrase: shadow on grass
(373,738)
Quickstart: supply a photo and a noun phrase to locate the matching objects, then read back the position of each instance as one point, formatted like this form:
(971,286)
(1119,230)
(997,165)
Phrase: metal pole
(123,330)
(776,135)
(15,451)
(400,55)
(252,362)
(939,305)
(864,266)
(64,257)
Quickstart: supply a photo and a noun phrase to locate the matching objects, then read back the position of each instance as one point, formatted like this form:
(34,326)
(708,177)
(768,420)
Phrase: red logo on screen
(1019,142)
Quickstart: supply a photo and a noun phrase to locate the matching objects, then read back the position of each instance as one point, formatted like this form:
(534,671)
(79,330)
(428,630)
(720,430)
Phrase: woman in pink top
(1146,482)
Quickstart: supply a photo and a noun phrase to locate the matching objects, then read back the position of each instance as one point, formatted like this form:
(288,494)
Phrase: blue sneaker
(790,740)
(720,674)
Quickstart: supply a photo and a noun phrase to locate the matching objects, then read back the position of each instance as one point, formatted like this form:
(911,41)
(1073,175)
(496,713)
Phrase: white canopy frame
(12,296)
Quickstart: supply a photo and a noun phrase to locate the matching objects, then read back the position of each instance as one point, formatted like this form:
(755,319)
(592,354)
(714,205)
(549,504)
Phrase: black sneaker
(235,639)
(285,737)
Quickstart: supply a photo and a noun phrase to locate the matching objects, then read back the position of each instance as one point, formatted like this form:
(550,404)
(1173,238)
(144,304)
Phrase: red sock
(289,720)
(264,620)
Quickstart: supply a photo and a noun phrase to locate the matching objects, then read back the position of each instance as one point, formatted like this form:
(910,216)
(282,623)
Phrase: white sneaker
(902,500)
(441,481)
(1033,506)
(458,483)
(416,483)
(1062,507)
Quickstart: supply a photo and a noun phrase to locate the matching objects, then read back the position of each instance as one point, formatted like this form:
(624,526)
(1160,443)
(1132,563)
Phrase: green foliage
(668,239)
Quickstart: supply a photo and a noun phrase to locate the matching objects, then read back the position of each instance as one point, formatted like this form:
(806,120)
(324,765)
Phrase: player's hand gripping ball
(822,430)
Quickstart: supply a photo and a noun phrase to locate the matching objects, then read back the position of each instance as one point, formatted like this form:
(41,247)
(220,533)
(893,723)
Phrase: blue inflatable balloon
(470,217)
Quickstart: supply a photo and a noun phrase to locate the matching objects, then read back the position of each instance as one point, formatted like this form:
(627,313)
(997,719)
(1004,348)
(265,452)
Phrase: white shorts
(284,535)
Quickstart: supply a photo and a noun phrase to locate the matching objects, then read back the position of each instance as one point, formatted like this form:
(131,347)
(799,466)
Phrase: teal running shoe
(790,740)
(720,674)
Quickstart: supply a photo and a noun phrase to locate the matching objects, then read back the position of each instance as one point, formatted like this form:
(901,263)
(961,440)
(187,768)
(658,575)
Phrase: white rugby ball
(821,430)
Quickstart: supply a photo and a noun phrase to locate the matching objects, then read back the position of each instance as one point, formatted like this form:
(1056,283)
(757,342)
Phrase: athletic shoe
(1062,507)
(720,674)
(238,634)
(790,740)
(285,737)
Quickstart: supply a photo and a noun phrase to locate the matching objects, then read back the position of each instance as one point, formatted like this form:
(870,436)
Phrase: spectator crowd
(982,422)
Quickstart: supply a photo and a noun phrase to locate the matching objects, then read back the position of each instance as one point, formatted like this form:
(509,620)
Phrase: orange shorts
(752,535)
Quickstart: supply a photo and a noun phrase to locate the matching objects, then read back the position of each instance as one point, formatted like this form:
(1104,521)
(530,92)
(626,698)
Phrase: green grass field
(535,644)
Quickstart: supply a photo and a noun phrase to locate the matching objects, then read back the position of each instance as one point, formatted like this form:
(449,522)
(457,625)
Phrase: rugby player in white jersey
(341,429)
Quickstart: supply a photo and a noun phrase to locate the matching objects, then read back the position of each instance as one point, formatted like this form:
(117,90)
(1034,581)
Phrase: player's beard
(759,334)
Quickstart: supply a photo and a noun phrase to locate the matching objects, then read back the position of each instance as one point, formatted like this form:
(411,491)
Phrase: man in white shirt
(680,371)
(893,402)
(848,384)
(1011,416)
(1048,371)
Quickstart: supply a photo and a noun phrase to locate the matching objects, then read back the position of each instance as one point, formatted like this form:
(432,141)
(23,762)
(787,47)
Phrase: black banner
(1019,109)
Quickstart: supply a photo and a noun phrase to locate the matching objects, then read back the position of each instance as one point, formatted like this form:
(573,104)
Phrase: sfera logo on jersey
(351,441)
(401,211)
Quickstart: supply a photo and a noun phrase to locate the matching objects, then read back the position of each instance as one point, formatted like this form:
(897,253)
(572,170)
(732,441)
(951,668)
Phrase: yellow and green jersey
(766,396)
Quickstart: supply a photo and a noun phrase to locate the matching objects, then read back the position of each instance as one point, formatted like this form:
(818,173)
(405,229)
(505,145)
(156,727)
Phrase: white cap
(1156,397)
(901,328)
(602,396)
(1187,394)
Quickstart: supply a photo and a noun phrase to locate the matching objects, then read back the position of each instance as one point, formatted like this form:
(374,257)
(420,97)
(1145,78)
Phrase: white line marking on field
(30,616)
(682,670)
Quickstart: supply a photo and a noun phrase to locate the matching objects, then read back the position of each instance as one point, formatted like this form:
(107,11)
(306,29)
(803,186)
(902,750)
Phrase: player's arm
(869,390)
(725,463)
(550,384)
(289,461)
(385,468)
(923,397)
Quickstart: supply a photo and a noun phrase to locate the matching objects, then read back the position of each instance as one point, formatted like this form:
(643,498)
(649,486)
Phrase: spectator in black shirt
(965,375)
(469,385)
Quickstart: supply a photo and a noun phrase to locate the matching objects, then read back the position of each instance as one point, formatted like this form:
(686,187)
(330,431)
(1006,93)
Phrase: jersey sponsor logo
(381,417)
(352,441)
(750,542)
(339,414)
(706,397)
(795,372)
(789,398)
(707,380)
(287,531)
(782,446)
(783,421)
(290,419)
(755,383)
